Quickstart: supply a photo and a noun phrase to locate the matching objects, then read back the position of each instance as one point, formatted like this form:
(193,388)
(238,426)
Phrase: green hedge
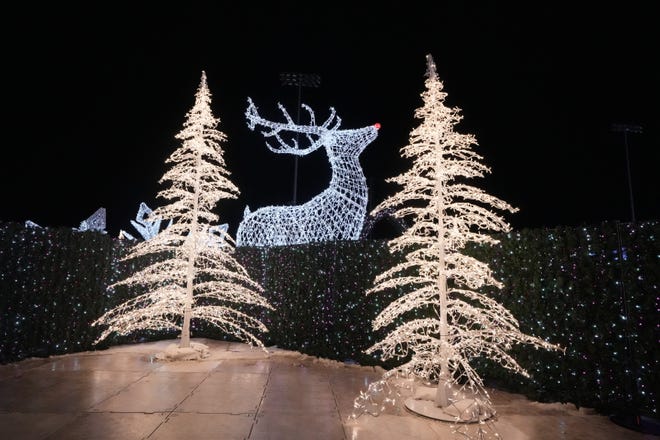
(52,285)
(318,291)
(594,291)
(591,289)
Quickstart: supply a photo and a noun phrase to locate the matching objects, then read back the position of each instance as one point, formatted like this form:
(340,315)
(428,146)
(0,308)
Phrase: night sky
(93,97)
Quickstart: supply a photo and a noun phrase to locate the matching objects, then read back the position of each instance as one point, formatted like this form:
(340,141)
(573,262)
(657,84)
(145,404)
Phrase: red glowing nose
(377,125)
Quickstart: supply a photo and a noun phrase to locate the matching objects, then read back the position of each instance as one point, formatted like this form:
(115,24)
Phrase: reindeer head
(336,142)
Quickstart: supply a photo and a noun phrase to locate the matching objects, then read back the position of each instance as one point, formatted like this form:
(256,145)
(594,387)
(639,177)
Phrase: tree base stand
(463,406)
(461,411)
(173,352)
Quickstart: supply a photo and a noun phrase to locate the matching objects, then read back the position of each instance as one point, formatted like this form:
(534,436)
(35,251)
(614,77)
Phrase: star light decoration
(443,321)
(186,278)
(338,212)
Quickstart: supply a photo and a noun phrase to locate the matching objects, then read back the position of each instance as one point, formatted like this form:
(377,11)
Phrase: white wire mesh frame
(337,213)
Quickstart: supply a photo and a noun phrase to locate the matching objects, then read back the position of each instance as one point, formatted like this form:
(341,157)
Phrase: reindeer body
(338,212)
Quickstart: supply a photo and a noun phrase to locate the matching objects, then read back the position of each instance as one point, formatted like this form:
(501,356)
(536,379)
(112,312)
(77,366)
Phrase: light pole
(630,417)
(625,129)
(300,80)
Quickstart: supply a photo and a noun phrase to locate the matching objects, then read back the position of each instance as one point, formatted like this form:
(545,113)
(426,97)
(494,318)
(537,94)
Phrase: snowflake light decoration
(147,227)
(339,211)
(95,222)
(217,235)
(123,235)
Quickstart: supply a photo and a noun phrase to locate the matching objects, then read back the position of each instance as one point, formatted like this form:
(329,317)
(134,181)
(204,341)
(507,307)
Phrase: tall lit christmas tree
(192,277)
(443,321)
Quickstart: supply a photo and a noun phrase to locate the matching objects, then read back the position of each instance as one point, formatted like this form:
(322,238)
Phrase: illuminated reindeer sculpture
(337,213)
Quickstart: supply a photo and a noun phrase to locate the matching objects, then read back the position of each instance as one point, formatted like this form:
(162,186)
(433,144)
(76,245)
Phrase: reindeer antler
(310,130)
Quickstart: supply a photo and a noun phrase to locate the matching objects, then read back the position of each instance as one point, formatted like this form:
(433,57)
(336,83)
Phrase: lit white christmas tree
(454,323)
(192,278)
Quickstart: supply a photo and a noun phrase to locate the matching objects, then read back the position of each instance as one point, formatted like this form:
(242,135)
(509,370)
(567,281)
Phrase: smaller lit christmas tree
(443,321)
(194,275)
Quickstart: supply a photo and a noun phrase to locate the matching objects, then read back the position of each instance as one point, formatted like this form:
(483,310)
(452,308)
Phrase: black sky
(93,96)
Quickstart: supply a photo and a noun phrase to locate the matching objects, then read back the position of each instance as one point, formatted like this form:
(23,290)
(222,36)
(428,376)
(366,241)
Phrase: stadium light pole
(625,129)
(630,417)
(300,80)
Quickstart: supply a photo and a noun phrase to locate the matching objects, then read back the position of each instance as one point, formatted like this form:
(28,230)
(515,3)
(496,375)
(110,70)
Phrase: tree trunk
(192,249)
(187,313)
(190,279)
(442,392)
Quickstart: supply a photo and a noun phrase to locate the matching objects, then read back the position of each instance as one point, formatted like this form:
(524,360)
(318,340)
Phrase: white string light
(455,322)
(338,212)
(195,279)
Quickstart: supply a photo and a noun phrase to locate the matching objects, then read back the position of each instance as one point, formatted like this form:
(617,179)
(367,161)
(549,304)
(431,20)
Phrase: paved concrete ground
(238,393)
